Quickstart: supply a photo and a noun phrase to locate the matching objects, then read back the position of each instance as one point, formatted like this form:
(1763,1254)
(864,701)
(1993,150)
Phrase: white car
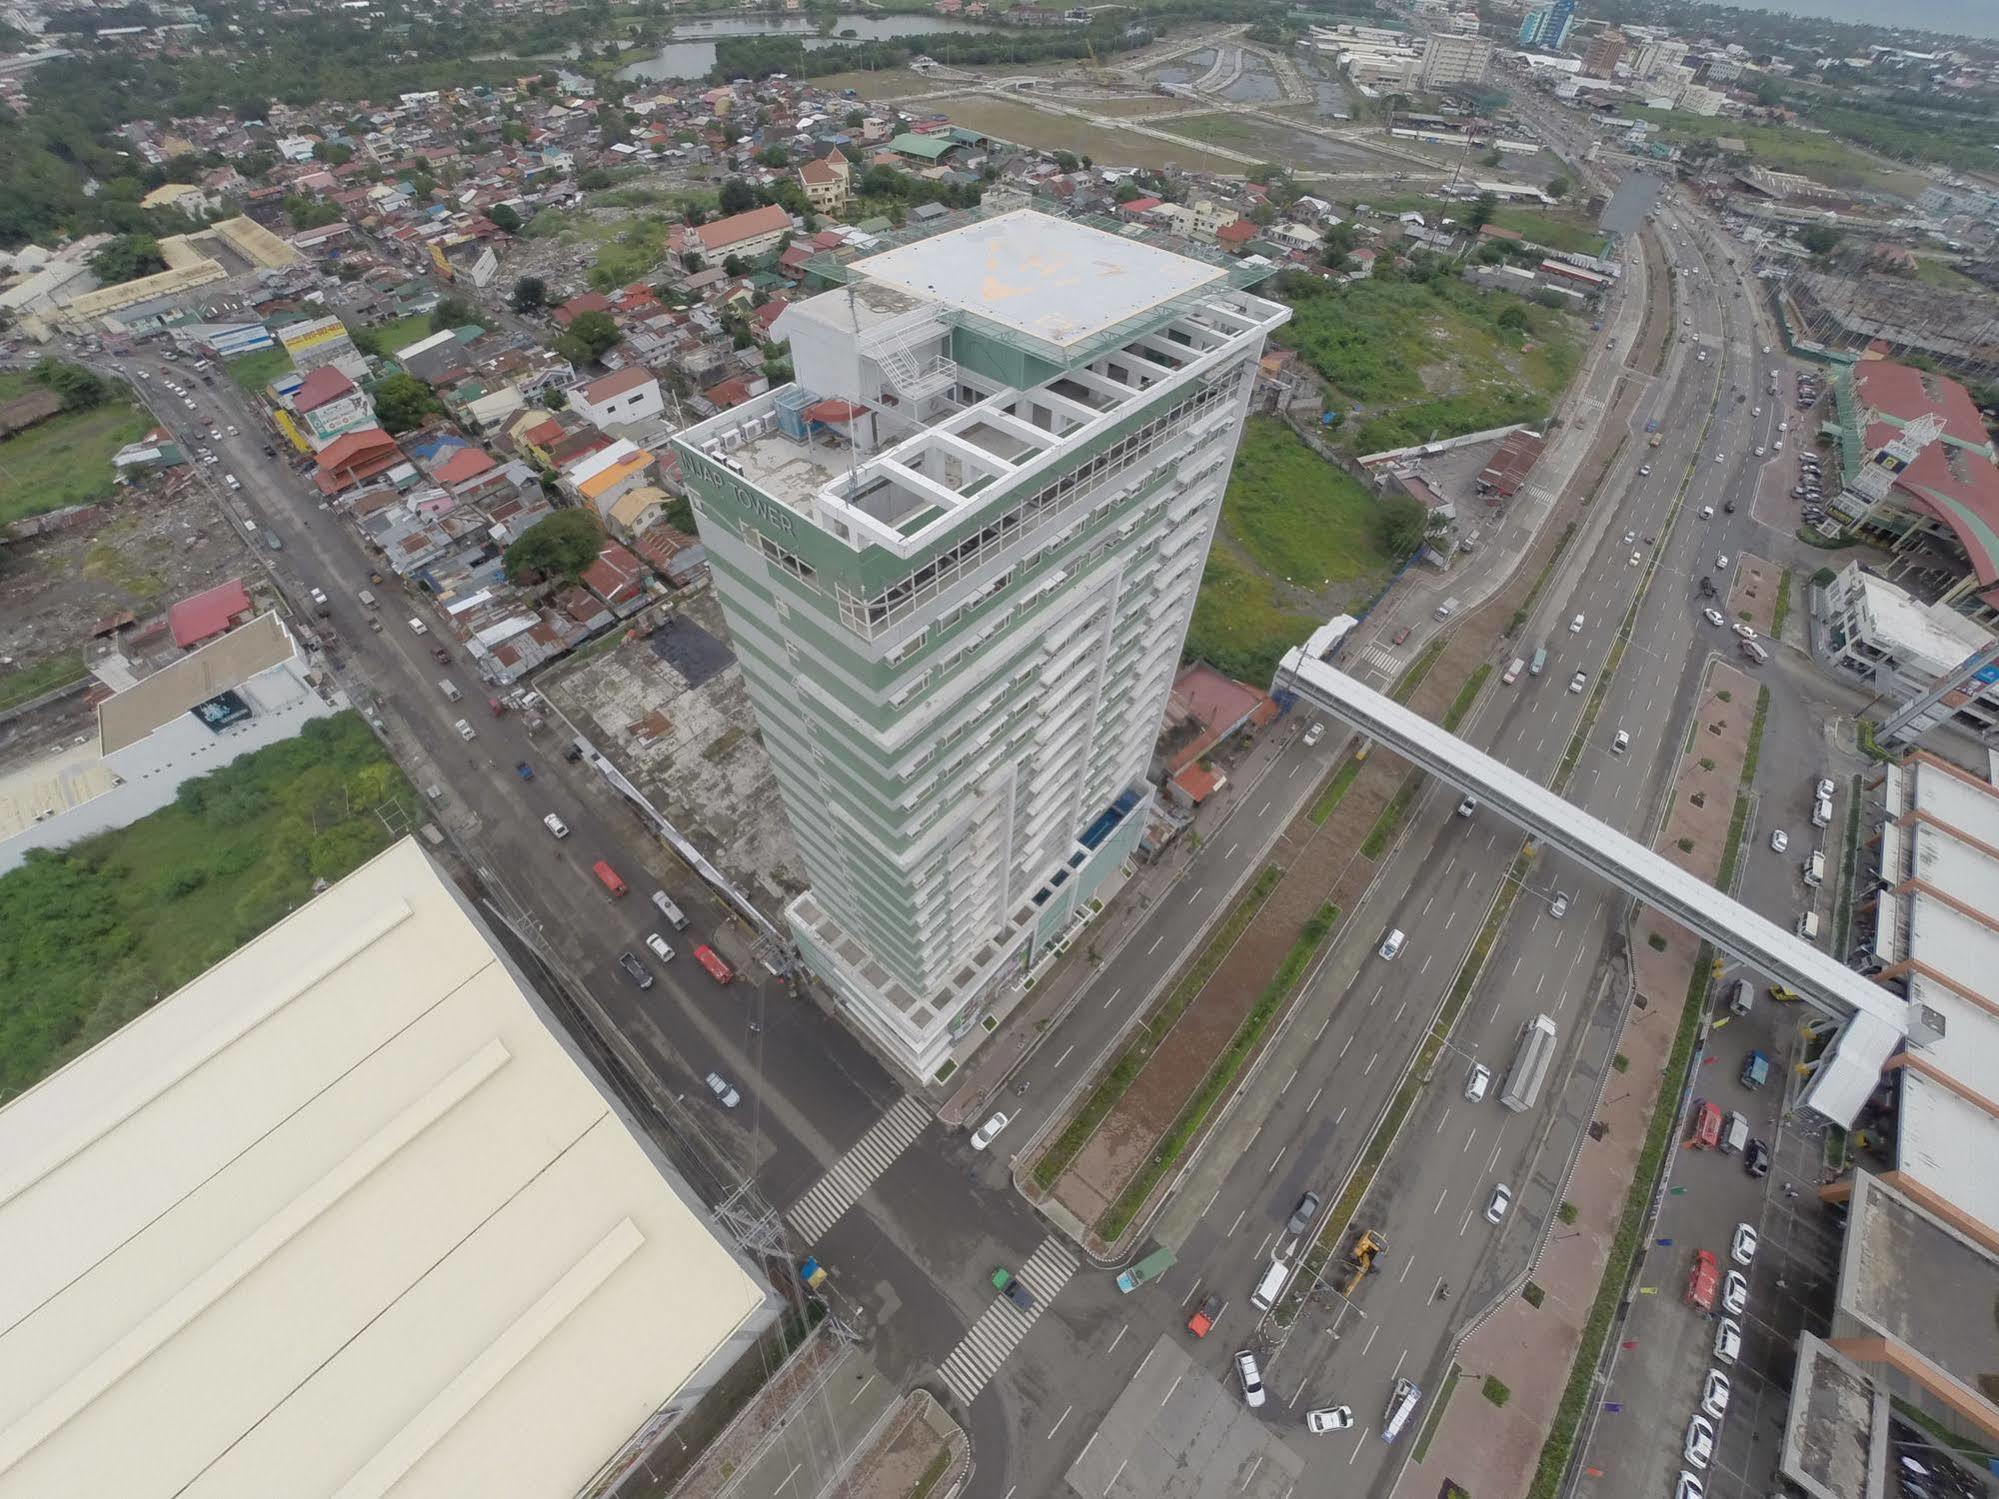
(989,1131)
(1576,682)
(1314,734)
(1735,1293)
(1635,559)
(1392,944)
(1559,907)
(1717,457)
(1728,1340)
(1721,563)
(1688,1487)
(1713,617)
(1251,1377)
(1714,1393)
(556,825)
(1742,1248)
(1502,1199)
(1644,470)
(1478,1082)
(1468,806)
(1743,630)
(659,948)
(1755,410)
(1826,787)
(719,1086)
(231,431)
(1331,1418)
(1576,625)
(1779,840)
(1707,512)
(1620,742)
(1700,1441)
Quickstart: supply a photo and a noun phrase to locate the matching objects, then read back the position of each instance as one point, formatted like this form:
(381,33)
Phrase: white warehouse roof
(343,1215)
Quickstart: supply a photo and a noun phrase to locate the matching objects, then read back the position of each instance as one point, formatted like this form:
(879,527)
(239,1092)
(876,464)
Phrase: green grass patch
(1221,1077)
(1333,1229)
(1779,147)
(393,337)
(1239,624)
(1426,360)
(96,932)
(1336,788)
(1461,704)
(252,372)
(932,1475)
(65,460)
(1114,1083)
(25,683)
(1405,688)
(1556,1451)
(1390,821)
(1754,751)
(1566,1212)
(1494,1389)
(1298,516)
(1872,748)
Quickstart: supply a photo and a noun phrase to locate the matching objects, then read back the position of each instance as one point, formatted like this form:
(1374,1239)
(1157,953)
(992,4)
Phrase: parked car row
(1703,1426)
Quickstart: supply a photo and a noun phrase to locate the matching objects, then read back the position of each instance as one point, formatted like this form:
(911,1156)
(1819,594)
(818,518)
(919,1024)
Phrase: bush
(1566,1212)
(1532,1294)
(1495,1390)
(1621,1062)
(1656,942)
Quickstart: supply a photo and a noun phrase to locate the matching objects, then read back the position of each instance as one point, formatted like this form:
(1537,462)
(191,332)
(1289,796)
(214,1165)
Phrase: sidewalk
(1533,1349)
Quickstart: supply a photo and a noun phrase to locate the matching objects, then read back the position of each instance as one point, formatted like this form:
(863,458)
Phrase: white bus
(1401,1406)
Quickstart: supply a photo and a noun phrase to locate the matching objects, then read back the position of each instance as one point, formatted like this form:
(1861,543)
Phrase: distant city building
(1603,55)
(1548,26)
(958,559)
(1656,58)
(1897,645)
(1451,60)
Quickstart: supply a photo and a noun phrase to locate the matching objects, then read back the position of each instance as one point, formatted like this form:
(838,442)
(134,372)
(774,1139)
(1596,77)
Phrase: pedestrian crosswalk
(851,1176)
(1001,1326)
(1377,659)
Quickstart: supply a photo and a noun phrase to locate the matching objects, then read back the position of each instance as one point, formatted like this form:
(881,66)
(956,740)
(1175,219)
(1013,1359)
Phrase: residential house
(828,182)
(353,458)
(601,478)
(746,236)
(619,399)
(204,616)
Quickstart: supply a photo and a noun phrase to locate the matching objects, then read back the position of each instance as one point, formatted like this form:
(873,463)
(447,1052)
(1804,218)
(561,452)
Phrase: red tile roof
(719,234)
(614,576)
(466,463)
(207,615)
(323,385)
(1954,478)
(609,386)
(731,392)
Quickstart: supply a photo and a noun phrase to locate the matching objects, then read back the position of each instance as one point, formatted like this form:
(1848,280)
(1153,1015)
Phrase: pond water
(691,53)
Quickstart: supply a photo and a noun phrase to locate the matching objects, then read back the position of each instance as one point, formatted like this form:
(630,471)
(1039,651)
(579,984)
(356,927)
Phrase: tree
(1128,191)
(735,265)
(452,312)
(1820,239)
(504,218)
(774,156)
(1066,161)
(78,387)
(334,153)
(403,401)
(1482,210)
(855,119)
(530,294)
(555,398)
(1559,187)
(557,547)
(738,196)
(1513,318)
(127,258)
(588,335)
(1402,524)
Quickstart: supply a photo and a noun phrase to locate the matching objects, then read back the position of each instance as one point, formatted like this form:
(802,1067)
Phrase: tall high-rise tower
(958,557)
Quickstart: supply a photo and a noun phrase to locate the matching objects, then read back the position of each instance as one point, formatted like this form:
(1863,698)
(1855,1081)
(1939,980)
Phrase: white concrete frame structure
(1875,1021)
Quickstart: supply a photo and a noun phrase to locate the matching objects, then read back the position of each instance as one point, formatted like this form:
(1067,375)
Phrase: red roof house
(355,457)
(201,618)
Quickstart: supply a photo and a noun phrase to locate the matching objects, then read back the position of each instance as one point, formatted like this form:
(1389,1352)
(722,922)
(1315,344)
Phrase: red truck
(1702,1281)
(608,878)
(719,971)
(1707,1126)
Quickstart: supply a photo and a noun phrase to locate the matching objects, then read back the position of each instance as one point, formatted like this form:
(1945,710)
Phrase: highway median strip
(1312,937)
(1113,1085)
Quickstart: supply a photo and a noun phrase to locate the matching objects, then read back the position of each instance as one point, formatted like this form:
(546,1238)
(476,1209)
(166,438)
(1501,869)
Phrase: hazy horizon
(1978,18)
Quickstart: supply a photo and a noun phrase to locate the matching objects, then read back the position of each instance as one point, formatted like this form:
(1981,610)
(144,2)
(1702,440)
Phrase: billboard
(219,712)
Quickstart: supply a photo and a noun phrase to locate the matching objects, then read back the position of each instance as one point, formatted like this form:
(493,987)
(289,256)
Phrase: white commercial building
(348,1214)
(248,689)
(1898,646)
(1449,61)
(958,559)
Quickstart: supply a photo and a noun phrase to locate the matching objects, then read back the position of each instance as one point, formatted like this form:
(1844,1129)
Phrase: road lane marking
(1429,903)
(1115,1477)
(1288,1082)
(1264,1248)
(1230,854)
(1405,1269)
(1236,1225)
(1372,1334)
(1494,1161)
(1464,1223)
(1370,1064)
(1426,964)
(1245,1483)
(1155,944)
(787,1480)
(1173,1390)
(1440,1202)
(1058,1425)
(1114,994)
(1264,808)
(1466,1146)
(1356,1449)
(1064,1057)
(862,1390)
(1299,1391)
(1342,1115)
(1322,1026)
(1308,1107)
(1275,1159)
(1345,1044)
(1211,1200)
(1398,1366)
(1118,1339)
(1400,1008)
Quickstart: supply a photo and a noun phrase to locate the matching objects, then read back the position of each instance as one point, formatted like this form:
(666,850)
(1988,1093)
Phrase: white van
(418,627)
(1808,926)
(1741,997)
(674,917)
(1821,811)
(1392,944)
(1264,1297)
(1734,1134)
(449,689)
(1815,868)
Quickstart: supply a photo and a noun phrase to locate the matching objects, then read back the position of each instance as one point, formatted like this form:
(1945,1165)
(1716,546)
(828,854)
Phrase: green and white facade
(958,558)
